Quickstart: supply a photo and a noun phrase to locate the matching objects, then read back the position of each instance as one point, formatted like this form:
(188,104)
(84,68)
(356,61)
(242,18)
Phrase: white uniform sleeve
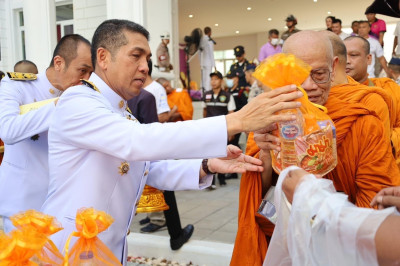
(83,120)
(13,126)
(231,104)
(181,175)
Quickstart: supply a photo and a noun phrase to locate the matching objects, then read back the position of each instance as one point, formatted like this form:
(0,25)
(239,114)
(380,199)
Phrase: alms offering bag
(308,142)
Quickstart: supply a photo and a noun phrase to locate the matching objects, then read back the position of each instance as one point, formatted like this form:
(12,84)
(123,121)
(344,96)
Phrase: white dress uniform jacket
(24,171)
(207,61)
(90,138)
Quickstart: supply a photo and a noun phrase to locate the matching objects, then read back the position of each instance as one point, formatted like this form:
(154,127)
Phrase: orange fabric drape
(393,89)
(365,166)
(375,99)
(184,103)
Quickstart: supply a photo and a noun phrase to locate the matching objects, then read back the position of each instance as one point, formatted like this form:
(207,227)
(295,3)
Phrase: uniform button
(121,104)
(146,172)
(51,91)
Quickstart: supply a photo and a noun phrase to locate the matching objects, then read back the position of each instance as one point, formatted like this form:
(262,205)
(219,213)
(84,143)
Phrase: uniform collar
(45,84)
(117,103)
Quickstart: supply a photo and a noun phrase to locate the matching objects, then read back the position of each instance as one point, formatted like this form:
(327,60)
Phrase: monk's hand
(261,111)
(387,197)
(291,182)
(234,162)
(265,140)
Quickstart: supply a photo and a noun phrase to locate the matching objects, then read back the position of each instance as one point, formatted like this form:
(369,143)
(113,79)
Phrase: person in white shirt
(337,28)
(207,61)
(24,172)
(396,47)
(102,157)
(375,49)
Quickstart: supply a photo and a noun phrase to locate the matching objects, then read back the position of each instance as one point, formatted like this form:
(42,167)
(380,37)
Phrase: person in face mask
(271,47)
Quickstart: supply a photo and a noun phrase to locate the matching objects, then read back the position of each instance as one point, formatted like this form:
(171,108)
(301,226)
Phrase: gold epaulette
(21,76)
(90,84)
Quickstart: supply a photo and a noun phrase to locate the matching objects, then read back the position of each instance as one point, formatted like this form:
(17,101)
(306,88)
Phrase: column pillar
(40,31)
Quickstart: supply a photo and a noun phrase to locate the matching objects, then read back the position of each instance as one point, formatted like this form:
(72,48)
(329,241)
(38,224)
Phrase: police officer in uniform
(217,102)
(240,65)
(100,156)
(24,173)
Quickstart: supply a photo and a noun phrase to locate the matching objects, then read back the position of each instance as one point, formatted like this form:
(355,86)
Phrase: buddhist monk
(180,99)
(365,162)
(358,58)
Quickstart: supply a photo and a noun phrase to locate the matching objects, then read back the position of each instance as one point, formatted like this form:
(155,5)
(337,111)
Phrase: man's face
(79,68)
(370,17)
(289,24)
(363,29)
(248,75)
(336,28)
(317,58)
(354,27)
(167,86)
(165,41)
(127,70)
(215,82)
(240,58)
(357,59)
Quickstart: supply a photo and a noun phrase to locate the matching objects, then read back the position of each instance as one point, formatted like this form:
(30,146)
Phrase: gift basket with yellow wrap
(310,141)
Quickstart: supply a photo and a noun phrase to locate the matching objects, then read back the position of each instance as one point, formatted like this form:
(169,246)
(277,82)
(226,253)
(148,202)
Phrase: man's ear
(59,63)
(369,59)
(103,58)
(334,65)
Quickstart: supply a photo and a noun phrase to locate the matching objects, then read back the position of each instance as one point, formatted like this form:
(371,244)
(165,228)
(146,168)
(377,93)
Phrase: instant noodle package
(308,142)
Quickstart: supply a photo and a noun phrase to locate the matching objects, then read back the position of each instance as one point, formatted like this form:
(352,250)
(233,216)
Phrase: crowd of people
(110,129)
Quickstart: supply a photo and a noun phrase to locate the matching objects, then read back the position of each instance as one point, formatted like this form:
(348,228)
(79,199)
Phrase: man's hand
(265,140)
(261,111)
(387,197)
(291,182)
(234,162)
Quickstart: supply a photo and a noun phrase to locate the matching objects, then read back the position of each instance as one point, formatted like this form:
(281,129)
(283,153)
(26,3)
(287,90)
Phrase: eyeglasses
(320,76)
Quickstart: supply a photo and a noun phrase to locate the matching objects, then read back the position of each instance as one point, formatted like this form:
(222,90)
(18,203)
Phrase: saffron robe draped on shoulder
(184,103)
(393,89)
(365,166)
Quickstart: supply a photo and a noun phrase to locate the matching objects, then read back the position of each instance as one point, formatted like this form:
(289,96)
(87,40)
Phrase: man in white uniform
(24,172)
(206,58)
(99,157)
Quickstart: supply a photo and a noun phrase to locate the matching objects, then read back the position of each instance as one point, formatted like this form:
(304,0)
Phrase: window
(223,60)
(64,20)
(20,36)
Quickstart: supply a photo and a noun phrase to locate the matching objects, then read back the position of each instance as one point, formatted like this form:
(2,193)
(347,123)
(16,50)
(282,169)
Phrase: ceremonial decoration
(23,109)
(310,141)
(152,200)
(89,248)
(30,244)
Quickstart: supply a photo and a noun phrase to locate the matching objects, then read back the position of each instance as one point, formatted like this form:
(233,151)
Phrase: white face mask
(274,41)
(229,83)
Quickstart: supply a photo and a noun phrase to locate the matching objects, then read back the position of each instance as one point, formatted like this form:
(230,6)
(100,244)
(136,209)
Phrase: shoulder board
(21,76)
(89,84)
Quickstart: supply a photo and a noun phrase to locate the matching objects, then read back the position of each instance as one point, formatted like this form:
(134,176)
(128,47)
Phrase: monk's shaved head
(365,44)
(339,49)
(314,49)
(305,44)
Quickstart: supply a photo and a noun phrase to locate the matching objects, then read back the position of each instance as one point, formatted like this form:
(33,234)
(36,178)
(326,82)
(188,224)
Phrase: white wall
(88,14)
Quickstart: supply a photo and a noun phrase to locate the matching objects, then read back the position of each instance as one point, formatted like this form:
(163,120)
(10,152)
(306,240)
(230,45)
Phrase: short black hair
(110,36)
(273,31)
(364,22)
(207,30)
(25,62)
(354,22)
(336,20)
(331,17)
(366,45)
(150,65)
(67,48)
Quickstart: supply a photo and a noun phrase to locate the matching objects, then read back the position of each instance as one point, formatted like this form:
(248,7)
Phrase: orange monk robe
(182,100)
(393,89)
(365,166)
(375,99)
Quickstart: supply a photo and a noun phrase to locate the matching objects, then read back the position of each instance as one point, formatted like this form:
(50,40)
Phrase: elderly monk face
(316,50)
(357,58)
